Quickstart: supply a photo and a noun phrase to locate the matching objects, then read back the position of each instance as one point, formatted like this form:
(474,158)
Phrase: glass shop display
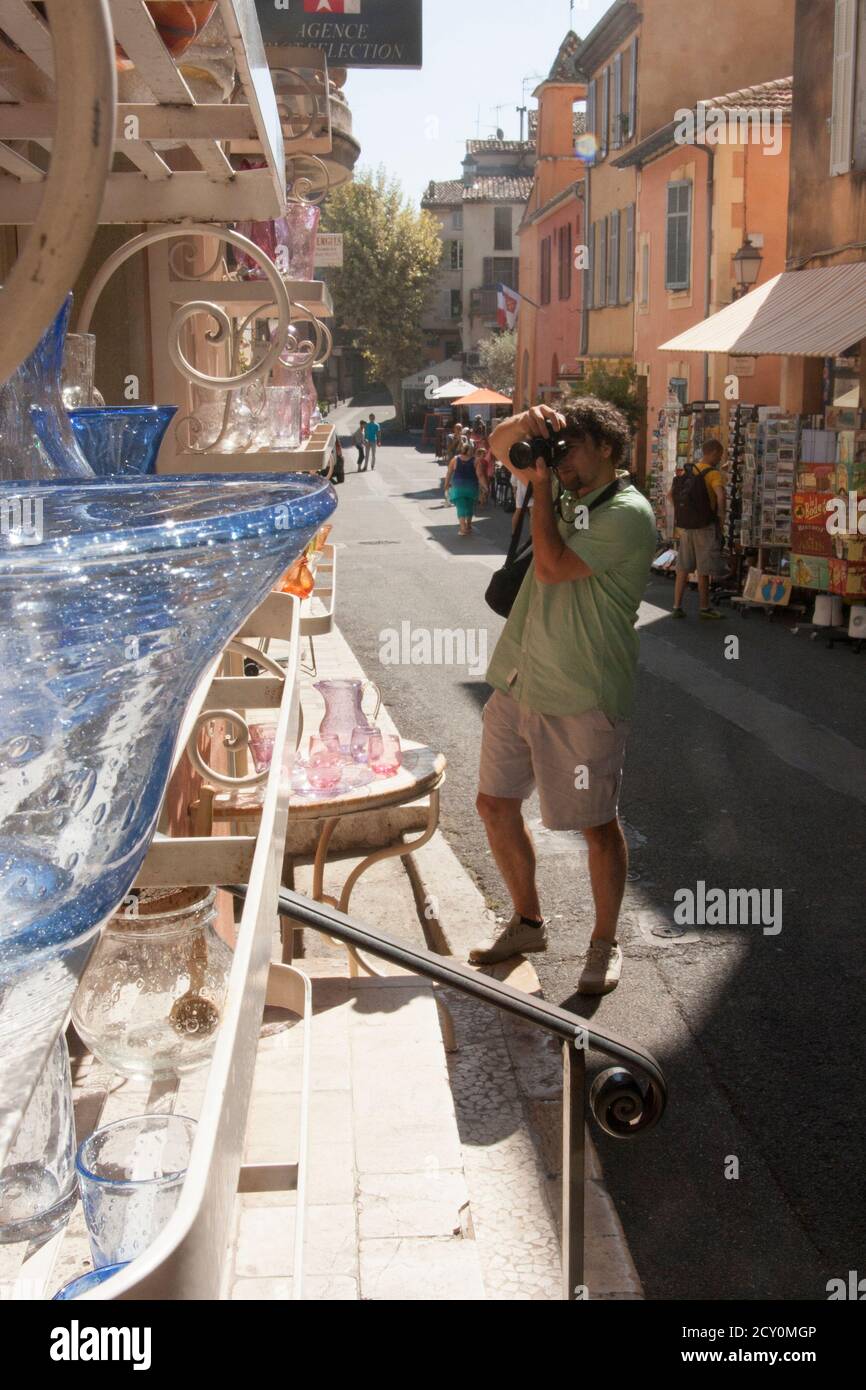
(37,1183)
(178,23)
(344,712)
(85,1282)
(36,438)
(151,998)
(131,1175)
(77,370)
(121,439)
(108,621)
(289,241)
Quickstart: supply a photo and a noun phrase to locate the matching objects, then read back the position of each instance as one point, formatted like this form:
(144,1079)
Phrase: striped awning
(800,313)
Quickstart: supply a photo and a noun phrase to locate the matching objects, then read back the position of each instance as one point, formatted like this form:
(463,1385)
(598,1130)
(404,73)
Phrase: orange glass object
(320,539)
(298,580)
(178,23)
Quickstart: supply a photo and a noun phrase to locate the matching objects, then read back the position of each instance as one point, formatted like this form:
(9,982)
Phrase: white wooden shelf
(160,186)
(312,457)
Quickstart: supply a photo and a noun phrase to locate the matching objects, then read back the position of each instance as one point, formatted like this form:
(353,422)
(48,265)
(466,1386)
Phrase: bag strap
(518,530)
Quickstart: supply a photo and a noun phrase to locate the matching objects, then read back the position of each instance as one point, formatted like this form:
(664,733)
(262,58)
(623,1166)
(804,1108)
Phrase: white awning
(800,313)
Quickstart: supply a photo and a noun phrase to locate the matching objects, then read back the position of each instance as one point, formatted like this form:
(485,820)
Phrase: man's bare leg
(608,866)
(680,588)
(513,851)
(704,590)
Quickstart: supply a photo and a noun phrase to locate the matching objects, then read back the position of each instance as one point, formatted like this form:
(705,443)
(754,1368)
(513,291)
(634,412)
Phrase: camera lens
(521,455)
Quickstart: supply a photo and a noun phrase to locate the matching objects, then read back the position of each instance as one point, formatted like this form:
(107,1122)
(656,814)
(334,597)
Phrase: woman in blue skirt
(463,484)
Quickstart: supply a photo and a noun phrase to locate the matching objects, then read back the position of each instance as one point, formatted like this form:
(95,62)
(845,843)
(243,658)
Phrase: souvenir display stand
(178,166)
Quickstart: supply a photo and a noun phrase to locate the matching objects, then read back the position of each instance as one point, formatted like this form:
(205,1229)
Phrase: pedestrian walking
(463,484)
(359,441)
(372,433)
(563,674)
(698,496)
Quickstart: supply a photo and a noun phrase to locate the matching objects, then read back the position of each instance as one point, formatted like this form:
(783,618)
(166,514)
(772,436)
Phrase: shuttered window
(589,273)
(604,123)
(860,98)
(566,255)
(613,255)
(545,270)
(628,295)
(601,283)
(679,236)
(645,274)
(632,121)
(844,57)
(591,105)
(616,124)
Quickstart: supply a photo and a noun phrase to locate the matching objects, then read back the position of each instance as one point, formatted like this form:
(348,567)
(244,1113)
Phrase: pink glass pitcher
(344,709)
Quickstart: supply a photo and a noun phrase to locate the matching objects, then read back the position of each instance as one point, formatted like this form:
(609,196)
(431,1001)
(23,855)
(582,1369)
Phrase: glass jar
(151,998)
(37,1183)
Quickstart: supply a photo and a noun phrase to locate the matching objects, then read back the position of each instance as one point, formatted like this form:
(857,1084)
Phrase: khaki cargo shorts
(574,760)
(700,552)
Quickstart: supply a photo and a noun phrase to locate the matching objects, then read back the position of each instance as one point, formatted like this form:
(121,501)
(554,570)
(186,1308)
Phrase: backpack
(693,510)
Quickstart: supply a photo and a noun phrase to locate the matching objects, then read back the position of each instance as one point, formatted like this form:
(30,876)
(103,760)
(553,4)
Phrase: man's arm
(720,506)
(554,562)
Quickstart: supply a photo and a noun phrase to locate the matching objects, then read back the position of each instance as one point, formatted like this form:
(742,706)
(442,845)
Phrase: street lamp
(747,267)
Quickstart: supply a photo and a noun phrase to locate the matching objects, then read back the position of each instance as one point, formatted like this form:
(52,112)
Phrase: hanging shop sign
(742,366)
(353,33)
(329,250)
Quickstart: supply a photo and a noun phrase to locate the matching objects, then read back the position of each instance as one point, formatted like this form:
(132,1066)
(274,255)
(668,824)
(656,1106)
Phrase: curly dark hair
(591,417)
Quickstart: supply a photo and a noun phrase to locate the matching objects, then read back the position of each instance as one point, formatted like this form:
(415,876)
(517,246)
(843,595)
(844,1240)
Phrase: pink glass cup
(360,745)
(324,772)
(262,739)
(386,757)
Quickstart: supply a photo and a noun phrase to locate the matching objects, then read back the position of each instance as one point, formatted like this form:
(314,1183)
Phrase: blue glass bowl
(85,1282)
(121,439)
(112,606)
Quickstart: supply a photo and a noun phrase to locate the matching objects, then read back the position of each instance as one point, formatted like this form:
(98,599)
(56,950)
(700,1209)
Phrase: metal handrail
(620,1105)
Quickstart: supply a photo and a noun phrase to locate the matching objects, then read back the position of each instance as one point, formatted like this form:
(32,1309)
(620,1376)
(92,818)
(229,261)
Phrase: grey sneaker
(515,939)
(710,614)
(602,970)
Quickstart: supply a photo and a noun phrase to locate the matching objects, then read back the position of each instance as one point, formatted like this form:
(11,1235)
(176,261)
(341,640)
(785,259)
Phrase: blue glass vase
(36,438)
(112,605)
(121,439)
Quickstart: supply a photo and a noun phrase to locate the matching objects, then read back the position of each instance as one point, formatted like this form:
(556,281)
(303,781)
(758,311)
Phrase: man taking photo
(563,674)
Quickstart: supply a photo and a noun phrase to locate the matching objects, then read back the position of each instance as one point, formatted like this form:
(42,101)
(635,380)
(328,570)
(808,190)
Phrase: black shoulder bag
(505,585)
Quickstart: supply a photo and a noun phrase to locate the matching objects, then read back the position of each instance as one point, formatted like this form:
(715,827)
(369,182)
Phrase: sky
(477,54)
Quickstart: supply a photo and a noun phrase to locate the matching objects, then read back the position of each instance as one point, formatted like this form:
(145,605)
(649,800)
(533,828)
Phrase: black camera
(552,450)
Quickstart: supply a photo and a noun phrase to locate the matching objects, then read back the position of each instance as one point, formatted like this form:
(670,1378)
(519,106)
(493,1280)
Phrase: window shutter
(589,273)
(489,275)
(605,115)
(645,274)
(617,101)
(591,102)
(844,52)
(613,260)
(632,115)
(629,253)
(603,234)
(860,98)
(679,236)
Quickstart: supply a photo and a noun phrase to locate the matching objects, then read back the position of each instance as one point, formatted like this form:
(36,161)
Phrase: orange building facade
(715,198)
(552,231)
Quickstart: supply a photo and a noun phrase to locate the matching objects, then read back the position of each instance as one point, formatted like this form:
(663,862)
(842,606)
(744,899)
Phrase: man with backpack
(698,496)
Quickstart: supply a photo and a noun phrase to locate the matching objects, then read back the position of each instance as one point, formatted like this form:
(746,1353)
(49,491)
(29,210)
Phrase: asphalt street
(741,773)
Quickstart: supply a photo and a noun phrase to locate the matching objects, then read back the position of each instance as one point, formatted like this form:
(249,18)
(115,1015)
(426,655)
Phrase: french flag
(332,6)
(507,307)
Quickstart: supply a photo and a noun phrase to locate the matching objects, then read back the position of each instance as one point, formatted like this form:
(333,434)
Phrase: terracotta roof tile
(766,95)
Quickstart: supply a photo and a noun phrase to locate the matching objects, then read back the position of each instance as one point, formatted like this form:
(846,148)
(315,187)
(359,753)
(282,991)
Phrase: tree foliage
(392,254)
(617,387)
(498,362)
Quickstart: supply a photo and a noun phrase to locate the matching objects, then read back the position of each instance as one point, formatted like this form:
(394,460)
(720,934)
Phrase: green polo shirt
(571,647)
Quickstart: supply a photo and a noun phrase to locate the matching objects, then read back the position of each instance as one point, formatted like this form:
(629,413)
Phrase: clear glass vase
(151,998)
(36,438)
(37,1184)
